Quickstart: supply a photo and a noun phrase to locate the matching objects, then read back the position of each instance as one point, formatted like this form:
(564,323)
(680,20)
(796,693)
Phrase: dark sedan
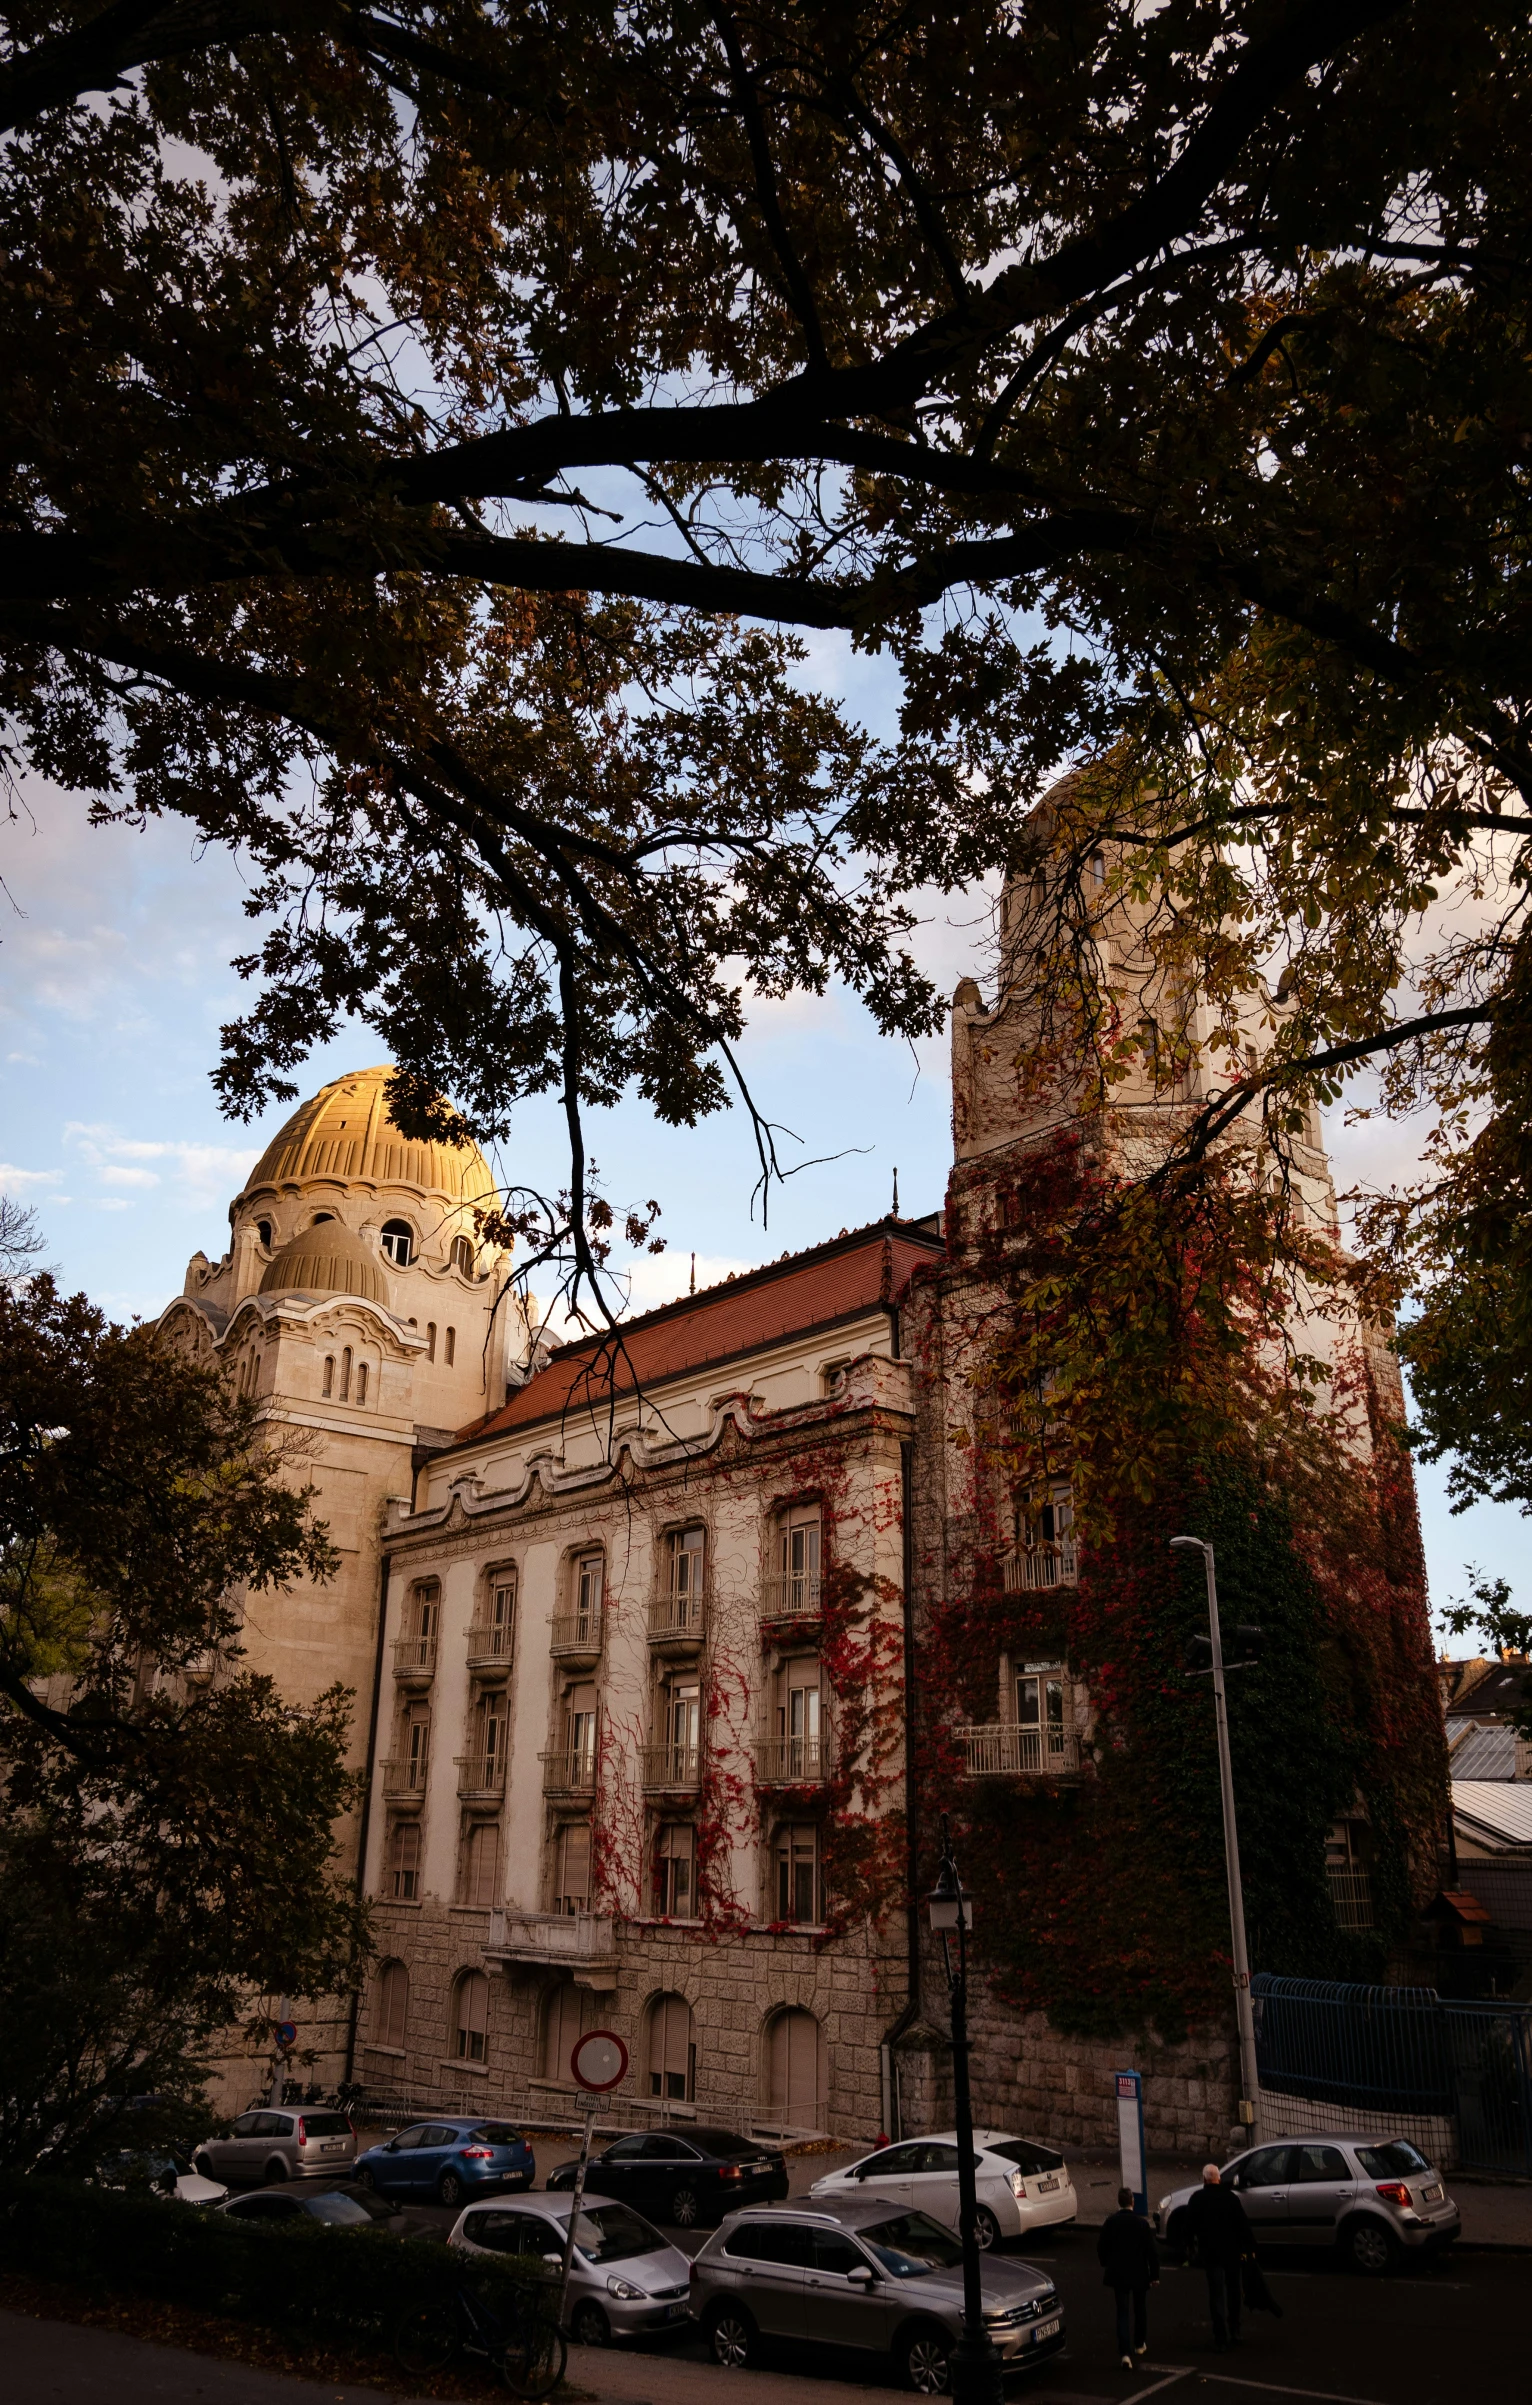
(683,2177)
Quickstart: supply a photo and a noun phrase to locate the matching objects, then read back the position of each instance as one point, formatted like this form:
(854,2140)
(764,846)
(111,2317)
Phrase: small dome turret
(328,1258)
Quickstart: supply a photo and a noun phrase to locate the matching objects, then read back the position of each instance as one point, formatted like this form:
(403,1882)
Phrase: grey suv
(282,2142)
(1375,2199)
(866,2274)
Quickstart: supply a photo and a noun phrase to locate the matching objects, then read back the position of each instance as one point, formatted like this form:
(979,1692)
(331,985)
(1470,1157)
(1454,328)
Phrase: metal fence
(1423,2063)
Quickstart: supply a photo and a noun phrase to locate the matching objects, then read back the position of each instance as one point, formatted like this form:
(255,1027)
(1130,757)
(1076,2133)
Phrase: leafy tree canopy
(166,1848)
(1153,384)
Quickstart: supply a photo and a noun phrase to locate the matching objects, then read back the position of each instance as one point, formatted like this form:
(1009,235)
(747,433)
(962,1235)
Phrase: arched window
(672,2050)
(481,1866)
(399,1242)
(462,1255)
(430,1340)
(451,1346)
(391,2005)
(567,2014)
(470,2017)
(361,1382)
(571,1869)
(263,1230)
(329,1375)
(322,1219)
(345,1374)
(403,1881)
(793,2076)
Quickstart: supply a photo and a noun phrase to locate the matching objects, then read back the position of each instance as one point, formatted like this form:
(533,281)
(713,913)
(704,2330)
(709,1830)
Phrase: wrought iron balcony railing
(1002,1750)
(791,1598)
(480,1776)
(1029,1567)
(569,1770)
(489,1645)
(672,1767)
(414,1660)
(793,1761)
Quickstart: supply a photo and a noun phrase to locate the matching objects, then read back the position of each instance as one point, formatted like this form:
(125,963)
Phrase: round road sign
(287,2033)
(599,2060)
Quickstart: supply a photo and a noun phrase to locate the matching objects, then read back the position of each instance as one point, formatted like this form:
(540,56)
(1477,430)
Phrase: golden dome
(345,1131)
(327,1259)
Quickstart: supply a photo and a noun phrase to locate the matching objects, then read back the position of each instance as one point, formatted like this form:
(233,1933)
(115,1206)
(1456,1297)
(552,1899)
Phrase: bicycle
(529,2355)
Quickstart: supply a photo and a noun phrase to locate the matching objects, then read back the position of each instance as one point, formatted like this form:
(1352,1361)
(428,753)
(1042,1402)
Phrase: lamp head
(946,1902)
(1195,1543)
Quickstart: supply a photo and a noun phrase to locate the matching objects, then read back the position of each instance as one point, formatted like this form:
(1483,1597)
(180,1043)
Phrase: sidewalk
(1495,2213)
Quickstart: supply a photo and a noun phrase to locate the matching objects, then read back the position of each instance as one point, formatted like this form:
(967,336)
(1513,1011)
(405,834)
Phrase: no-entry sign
(599,2061)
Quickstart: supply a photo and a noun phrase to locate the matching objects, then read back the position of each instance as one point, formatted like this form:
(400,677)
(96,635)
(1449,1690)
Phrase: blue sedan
(448,2161)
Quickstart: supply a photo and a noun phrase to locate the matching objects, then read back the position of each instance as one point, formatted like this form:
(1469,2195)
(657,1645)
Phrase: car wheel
(985,2228)
(275,2170)
(449,2189)
(365,2179)
(925,2361)
(732,2336)
(590,2327)
(685,2212)
(1370,2246)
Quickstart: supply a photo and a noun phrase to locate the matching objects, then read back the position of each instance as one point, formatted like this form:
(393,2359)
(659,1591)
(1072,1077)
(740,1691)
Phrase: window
(345,1374)
(1045,1543)
(451,1346)
(328,1387)
(1040,1707)
(588,1581)
(392,2001)
(361,1382)
(567,2014)
(686,1561)
(462,1256)
(489,1728)
(500,1623)
(798,1721)
(481,1865)
(403,1881)
(675,1871)
(672,2050)
(798,1895)
(399,1242)
(263,1230)
(681,1706)
(430,1340)
(571,1868)
(417,1747)
(425,1611)
(793,2069)
(580,1731)
(470,2018)
(1349,1875)
(798,1561)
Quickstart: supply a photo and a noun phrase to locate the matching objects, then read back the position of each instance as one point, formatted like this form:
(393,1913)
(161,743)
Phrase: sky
(114,982)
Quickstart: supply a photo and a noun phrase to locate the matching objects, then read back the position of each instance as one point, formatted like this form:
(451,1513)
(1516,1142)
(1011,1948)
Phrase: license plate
(1047,2329)
(677,2312)
(332,2146)
(1046,2186)
(1431,2196)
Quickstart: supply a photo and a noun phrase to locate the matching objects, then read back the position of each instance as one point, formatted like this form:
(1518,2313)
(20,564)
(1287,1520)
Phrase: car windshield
(608,2233)
(496,2133)
(911,2244)
(723,2142)
(1395,2161)
(1026,2155)
(326,2125)
(344,2211)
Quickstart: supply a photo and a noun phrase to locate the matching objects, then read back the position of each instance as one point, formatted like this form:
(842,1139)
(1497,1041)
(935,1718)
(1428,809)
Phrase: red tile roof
(841,1280)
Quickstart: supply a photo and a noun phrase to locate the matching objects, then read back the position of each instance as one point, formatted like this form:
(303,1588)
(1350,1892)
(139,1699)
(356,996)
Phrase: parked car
(331,2209)
(625,2279)
(861,2273)
(684,2177)
(1374,2199)
(1022,2185)
(279,2142)
(159,2174)
(447,2160)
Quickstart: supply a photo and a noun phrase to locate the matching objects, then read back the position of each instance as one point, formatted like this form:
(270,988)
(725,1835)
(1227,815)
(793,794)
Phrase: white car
(1022,2185)
(160,2174)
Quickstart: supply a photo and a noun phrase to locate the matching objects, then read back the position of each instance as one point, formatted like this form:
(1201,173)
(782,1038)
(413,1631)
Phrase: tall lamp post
(976,2368)
(1249,2079)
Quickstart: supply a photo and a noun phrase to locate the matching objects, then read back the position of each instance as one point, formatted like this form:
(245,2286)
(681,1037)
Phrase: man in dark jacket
(1220,2237)
(1130,2268)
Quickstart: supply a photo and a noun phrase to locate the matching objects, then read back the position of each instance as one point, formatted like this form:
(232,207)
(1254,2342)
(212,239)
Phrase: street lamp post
(976,2368)
(1249,2078)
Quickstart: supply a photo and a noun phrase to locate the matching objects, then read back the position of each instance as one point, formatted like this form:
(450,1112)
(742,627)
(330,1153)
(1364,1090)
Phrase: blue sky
(114,980)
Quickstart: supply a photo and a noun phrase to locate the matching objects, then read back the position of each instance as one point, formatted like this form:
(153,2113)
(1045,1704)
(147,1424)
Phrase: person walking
(1221,2237)
(1130,2267)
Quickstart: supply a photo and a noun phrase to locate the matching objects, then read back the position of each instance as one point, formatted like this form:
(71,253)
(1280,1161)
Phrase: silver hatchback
(625,2278)
(868,2275)
(1374,2199)
(279,2142)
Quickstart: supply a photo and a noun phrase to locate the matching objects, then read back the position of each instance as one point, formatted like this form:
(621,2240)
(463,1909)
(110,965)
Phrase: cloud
(21,1181)
(113,1202)
(195,1174)
(113,1176)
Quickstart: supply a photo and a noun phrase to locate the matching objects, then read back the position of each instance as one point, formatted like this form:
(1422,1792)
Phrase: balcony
(582,1944)
(405,1777)
(576,1637)
(672,1769)
(414,1660)
(1350,1895)
(792,1599)
(793,1761)
(481,1777)
(569,1771)
(1002,1750)
(1029,1568)
(489,1645)
(677,1624)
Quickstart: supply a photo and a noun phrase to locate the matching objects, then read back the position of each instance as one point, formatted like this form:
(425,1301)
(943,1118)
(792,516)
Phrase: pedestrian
(1221,2238)
(1130,2267)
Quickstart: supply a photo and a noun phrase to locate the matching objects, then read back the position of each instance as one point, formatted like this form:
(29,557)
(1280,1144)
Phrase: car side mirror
(861,2273)
(554,2262)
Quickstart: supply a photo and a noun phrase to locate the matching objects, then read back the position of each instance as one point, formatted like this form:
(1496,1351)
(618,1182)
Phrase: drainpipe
(911,2012)
(363,1832)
